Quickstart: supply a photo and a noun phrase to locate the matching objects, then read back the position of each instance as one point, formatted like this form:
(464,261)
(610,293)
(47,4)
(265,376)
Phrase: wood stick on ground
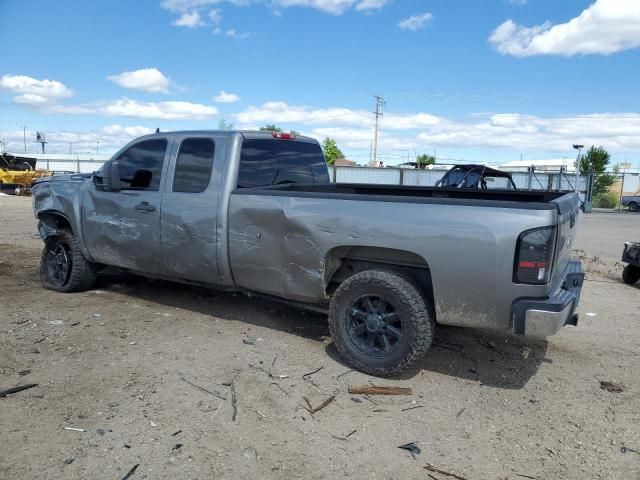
(313,410)
(281,389)
(234,399)
(375,390)
(131,472)
(431,468)
(524,476)
(306,375)
(19,388)
(203,389)
(412,408)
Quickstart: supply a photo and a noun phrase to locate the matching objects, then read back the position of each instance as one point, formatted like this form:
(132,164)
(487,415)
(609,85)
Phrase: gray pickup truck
(256,212)
(631,201)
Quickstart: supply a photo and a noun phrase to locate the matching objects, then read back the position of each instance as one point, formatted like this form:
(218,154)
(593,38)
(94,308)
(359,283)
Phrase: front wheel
(633,206)
(380,323)
(63,268)
(631,274)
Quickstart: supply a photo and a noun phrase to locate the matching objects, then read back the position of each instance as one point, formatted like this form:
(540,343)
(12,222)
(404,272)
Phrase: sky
(466,80)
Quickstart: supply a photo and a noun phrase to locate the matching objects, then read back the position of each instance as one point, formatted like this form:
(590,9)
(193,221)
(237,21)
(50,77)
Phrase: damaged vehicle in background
(256,212)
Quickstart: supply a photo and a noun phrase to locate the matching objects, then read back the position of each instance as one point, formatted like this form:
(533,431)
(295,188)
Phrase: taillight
(534,256)
(283,136)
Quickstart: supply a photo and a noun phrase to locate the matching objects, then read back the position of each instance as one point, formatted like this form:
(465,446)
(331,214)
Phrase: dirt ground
(193,384)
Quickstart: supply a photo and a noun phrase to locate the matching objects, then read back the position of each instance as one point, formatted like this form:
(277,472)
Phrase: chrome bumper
(545,317)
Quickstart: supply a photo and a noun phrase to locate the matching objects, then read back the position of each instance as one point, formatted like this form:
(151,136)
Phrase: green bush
(606,200)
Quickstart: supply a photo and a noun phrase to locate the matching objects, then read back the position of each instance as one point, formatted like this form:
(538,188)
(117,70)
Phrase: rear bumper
(545,317)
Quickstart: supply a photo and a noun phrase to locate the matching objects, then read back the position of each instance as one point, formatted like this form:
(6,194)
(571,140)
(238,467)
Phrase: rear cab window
(266,161)
(193,165)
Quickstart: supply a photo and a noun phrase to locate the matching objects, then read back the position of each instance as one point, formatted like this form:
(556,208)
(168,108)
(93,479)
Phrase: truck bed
(534,200)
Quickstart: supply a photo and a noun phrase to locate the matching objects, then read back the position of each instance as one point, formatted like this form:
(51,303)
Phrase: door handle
(145,207)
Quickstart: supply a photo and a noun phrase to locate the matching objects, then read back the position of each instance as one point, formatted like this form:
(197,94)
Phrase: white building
(552,165)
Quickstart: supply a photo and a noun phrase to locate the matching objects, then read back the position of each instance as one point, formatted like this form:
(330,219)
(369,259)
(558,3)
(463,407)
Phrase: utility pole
(24,137)
(378,113)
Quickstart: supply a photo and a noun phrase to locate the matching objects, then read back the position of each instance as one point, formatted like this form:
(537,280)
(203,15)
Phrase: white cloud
(215,16)
(111,138)
(172,110)
(334,7)
(281,112)
(416,22)
(606,27)
(125,107)
(149,80)
(513,132)
(33,91)
(225,97)
(189,20)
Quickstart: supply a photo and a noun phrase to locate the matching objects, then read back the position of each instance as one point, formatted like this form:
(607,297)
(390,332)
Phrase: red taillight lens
(283,136)
(534,254)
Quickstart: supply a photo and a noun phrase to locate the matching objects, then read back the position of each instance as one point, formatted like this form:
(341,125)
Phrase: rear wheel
(633,206)
(380,323)
(631,274)
(63,268)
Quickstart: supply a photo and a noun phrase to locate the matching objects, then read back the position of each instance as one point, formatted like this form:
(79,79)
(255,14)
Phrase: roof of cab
(253,134)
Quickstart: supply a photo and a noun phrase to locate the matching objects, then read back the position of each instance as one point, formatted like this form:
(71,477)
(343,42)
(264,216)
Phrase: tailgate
(567,228)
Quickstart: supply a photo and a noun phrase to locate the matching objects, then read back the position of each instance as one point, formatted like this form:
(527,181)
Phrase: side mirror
(111,177)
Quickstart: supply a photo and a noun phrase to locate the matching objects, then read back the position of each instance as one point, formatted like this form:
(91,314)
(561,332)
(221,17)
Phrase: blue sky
(469,79)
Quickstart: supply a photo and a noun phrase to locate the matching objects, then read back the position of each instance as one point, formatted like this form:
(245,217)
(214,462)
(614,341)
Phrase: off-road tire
(416,315)
(633,206)
(82,274)
(631,274)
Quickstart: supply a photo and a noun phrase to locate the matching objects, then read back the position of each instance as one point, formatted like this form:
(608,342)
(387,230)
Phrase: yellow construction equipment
(17,174)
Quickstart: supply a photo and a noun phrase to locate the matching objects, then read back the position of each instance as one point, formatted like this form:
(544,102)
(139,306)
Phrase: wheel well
(343,262)
(54,221)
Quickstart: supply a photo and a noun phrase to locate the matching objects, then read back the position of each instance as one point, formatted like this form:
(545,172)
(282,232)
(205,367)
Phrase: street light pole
(579,149)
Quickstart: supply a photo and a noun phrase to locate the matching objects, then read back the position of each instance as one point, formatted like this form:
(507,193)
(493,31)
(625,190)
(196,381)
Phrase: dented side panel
(62,196)
(280,246)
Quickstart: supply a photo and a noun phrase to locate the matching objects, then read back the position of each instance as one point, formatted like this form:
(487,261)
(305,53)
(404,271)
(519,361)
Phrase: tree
(223,125)
(270,127)
(331,150)
(596,160)
(424,160)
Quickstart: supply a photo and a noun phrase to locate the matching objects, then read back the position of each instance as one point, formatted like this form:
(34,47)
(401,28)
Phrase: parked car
(476,176)
(632,201)
(256,212)
(631,256)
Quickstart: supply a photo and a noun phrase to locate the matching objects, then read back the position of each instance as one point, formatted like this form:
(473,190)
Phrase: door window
(141,165)
(193,165)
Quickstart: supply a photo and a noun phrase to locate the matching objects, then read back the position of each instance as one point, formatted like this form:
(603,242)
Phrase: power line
(378,113)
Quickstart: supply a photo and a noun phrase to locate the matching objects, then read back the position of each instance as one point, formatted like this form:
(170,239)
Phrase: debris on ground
(591,314)
(202,389)
(411,447)
(19,388)
(446,345)
(74,429)
(612,387)
(68,461)
(376,390)
(249,340)
(434,469)
(131,472)
(627,449)
(22,373)
(313,410)
(488,344)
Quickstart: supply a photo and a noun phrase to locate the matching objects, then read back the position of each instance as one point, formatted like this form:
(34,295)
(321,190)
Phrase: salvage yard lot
(124,362)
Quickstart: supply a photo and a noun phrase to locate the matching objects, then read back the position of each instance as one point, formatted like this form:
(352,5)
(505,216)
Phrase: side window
(141,165)
(193,165)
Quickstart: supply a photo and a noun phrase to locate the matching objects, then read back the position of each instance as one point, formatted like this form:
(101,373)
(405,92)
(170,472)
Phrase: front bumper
(545,317)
